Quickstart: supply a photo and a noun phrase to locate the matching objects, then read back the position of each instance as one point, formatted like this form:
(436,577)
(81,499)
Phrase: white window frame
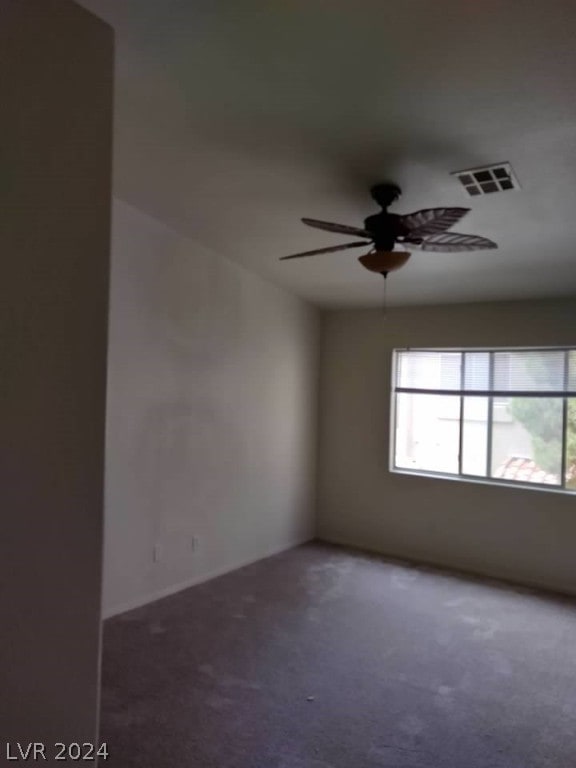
(491,394)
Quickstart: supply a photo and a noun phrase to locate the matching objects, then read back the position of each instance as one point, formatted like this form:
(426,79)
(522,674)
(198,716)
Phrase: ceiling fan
(424,230)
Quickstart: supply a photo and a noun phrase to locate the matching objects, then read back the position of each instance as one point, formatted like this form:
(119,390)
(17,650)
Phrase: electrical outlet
(157,553)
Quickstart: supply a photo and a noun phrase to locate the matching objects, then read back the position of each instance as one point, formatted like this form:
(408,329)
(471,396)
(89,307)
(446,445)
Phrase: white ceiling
(235,118)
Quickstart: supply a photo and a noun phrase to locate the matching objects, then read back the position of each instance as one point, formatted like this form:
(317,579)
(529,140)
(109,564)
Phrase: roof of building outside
(524,469)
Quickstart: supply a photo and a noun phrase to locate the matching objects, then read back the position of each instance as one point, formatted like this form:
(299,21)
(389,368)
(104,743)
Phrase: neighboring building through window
(507,415)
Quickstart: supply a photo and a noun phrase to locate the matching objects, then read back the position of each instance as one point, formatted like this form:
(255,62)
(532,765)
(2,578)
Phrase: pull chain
(385,306)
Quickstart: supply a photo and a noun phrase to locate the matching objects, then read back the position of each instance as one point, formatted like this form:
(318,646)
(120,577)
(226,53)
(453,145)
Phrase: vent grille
(489,179)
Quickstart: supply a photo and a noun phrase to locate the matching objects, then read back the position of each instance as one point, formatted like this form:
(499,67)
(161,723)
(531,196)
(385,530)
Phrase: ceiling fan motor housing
(385,228)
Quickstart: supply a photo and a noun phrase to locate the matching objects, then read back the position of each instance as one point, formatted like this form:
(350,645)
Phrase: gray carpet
(323,658)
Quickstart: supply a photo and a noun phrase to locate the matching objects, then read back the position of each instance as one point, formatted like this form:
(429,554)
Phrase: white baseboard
(454,566)
(198,579)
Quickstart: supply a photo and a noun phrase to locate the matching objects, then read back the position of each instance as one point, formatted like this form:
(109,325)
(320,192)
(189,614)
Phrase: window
(502,415)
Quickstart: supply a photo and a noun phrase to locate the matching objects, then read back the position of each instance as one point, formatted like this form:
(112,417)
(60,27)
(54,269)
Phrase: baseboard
(457,569)
(130,605)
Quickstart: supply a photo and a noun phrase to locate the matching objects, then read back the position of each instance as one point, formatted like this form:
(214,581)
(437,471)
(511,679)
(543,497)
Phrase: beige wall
(523,535)
(55,148)
(211,417)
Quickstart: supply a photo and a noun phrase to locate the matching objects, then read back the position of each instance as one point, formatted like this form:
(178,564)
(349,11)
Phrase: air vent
(489,179)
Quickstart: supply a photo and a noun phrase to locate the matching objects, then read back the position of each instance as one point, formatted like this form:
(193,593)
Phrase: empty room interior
(288,383)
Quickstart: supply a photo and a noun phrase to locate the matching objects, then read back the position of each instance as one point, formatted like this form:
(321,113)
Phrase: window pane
(427,432)
(429,370)
(529,371)
(477,370)
(527,439)
(572,370)
(475,436)
(571,445)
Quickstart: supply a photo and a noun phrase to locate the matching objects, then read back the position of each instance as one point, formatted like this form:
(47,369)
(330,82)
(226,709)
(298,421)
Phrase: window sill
(483,481)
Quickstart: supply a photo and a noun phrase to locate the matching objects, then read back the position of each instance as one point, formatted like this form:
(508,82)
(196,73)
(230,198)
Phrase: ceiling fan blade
(430,221)
(453,242)
(342,229)
(330,249)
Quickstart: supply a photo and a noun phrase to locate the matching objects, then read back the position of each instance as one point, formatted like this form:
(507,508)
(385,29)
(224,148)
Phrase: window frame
(491,394)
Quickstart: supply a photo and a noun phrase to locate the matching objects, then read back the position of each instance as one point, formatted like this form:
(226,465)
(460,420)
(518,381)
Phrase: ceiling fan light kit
(384,261)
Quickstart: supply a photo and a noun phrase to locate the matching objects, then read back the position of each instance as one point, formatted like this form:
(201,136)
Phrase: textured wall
(211,419)
(56,64)
(525,535)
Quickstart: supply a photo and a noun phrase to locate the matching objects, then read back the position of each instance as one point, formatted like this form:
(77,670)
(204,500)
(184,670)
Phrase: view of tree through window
(504,414)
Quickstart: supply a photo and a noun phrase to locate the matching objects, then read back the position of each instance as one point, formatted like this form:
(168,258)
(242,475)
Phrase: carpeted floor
(323,658)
